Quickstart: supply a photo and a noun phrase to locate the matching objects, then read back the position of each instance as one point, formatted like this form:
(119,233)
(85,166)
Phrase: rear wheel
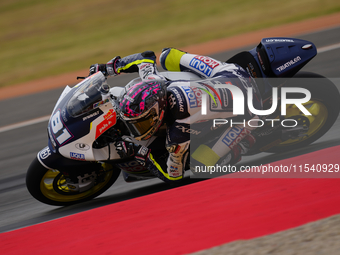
(52,187)
(324,107)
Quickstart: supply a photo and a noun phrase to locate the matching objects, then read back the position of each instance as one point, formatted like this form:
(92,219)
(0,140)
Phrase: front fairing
(82,114)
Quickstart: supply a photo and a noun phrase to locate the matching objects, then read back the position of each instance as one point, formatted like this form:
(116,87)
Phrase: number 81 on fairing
(60,132)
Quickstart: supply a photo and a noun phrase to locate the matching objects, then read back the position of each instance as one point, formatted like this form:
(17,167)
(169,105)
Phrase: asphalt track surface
(19,146)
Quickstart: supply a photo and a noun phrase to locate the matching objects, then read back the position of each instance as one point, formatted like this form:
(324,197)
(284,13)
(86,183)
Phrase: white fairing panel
(82,149)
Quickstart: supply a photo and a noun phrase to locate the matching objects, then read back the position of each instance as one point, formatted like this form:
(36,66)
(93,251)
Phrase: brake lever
(82,77)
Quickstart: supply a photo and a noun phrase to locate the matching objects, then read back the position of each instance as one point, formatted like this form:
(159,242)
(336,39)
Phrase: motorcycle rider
(146,106)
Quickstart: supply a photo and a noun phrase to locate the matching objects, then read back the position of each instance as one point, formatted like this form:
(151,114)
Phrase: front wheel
(52,187)
(324,106)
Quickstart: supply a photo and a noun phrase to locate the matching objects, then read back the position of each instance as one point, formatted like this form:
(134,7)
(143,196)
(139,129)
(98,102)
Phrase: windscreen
(90,94)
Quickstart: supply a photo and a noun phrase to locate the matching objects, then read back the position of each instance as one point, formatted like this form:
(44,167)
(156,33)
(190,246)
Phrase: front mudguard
(53,160)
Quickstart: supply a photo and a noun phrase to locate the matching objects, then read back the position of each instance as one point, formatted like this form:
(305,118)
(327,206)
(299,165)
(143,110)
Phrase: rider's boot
(233,143)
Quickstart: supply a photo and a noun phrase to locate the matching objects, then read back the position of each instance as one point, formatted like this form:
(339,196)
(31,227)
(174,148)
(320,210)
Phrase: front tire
(45,185)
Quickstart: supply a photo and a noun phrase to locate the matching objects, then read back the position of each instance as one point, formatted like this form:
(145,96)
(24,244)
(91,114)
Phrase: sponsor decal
(188,130)
(109,114)
(265,133)
(173,168)
(172,101)
(191,96)
(77,156)
(174,171)
(45,153)
(289,63)
(251,70)
(279,40)
(204,64)
(194,95)
(179,99)
(63,115)
(242,135)
(231,135)
(234,136)
(82,146)
(143,151)
(109,121)
(100,103)
(224,98)
(198,95)
(261,61)
(129,98)
(91,115)
(146,70)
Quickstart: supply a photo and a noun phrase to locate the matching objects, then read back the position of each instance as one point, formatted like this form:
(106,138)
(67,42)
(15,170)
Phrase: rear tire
(41,183)
(325,98)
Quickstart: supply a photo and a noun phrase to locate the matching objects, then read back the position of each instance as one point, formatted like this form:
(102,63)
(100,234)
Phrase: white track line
(329,48)
(24,123)
(46,118)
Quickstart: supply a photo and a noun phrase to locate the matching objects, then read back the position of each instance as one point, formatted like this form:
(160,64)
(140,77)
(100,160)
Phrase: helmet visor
(141,125)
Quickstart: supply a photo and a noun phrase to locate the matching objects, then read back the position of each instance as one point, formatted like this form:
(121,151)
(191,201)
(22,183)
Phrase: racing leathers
(184,111)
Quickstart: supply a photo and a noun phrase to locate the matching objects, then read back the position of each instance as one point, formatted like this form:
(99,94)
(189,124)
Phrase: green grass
(39,38)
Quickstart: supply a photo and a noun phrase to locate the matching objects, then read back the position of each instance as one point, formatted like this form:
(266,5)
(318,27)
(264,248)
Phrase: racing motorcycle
(80,161)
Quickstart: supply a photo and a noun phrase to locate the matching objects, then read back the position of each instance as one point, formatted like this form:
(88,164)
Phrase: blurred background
(43,38)
(40,38)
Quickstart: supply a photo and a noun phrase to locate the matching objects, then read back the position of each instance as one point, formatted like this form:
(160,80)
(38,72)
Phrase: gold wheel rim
(317,119)
(47,189)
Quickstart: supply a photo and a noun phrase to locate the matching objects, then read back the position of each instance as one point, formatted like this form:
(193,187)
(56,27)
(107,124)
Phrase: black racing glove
(111,66)
(129,149)
(98,67)
(107,69)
